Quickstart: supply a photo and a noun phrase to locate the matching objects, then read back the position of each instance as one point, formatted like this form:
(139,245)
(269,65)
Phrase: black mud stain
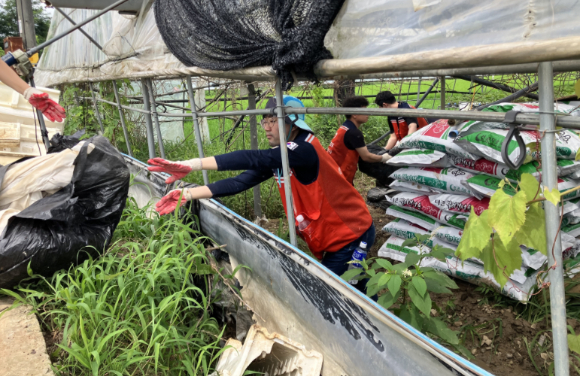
(333,306)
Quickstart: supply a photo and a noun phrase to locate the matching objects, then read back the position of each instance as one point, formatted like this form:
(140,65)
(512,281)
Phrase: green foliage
(574,342)
(9,20)
(407,289)
(142,307)
(496,234)
(81,114)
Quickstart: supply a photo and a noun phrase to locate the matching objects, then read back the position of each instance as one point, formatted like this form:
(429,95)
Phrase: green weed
(141,308)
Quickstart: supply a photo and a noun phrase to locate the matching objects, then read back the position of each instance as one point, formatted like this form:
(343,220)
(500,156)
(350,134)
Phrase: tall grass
(141,308)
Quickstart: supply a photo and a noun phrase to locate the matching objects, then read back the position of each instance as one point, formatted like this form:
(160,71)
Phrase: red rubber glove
(177,170)
(169,202)
(49,108)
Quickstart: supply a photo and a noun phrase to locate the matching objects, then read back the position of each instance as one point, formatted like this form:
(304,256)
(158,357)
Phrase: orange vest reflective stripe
(345,158)
(401,128)
(337,213)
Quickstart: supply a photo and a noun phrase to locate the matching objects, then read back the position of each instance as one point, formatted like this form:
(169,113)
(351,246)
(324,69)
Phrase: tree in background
(9,20)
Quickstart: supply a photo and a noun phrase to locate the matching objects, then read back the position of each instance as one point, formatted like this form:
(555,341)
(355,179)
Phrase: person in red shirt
(349,144)
(336,215)
(400,126)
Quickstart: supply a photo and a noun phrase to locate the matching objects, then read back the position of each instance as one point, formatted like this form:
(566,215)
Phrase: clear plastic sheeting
(130,44)
(409,34)
(393,27)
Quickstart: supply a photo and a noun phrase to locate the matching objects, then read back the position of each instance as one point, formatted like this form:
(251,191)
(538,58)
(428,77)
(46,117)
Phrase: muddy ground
(505,338)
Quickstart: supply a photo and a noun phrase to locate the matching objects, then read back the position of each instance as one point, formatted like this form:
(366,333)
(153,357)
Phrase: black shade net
(233,34)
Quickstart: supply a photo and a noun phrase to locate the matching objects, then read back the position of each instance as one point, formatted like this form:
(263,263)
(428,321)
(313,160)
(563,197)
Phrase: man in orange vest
(400,126)
(349,144)
(335,216)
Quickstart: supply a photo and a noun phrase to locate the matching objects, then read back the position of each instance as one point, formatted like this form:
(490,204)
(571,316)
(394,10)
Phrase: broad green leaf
(441,253)
(385,278)
(385,264)
(412,259)
(421,302)
(410,243)
(553,196)
(411,316)
(440,278)
(374,279)
(438,327)
(507,214)
(435,287)
(475,236)
(501,183)
(387,300)
(394,284)
(373,290)
(574,343)
(420,285)
(533,233)
(530,186)
(350,274)
(422,238)
(399,267)
(509,258)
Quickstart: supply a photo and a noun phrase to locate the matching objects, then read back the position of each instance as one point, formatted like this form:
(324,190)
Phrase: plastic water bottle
(358,255)
(302,223)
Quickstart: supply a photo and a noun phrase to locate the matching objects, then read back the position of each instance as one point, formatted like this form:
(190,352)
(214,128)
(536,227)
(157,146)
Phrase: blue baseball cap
(296,119)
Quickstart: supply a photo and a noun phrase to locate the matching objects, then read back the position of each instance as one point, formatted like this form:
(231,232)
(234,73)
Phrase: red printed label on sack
(437,128)
(422,204)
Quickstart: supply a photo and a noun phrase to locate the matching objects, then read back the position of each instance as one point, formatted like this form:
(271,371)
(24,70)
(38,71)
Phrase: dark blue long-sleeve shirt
(263,164)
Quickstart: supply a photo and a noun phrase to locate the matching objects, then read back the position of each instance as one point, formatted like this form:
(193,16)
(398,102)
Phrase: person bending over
(348,143)
(336,215)
(400,126)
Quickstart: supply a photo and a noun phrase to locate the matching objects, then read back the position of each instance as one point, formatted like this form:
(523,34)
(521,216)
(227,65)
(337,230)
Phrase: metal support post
(148,121)
(97,114)
(196,129)
(550,180)
(43,130)
(442,92)
(285,164)
(155,118)
(26,23)
(254,146)
(427,92)
(122,117)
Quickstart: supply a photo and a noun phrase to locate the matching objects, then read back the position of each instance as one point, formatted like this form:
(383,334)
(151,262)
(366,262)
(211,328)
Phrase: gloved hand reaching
(49,108)
(385,157)
(177,170)
(169,202)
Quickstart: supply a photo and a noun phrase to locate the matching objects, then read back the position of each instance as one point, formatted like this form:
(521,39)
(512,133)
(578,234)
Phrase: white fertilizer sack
(487,144)
(420,158)
(421,204)
(459,203)
(450,180)
(411,216)
(435,136)
(407,186)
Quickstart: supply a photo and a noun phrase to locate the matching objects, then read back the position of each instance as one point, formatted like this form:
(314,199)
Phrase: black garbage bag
(379,171)
(75,222)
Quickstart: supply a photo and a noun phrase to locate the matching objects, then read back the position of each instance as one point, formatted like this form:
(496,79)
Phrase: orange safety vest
(401,128)
(345,158)
(337,213)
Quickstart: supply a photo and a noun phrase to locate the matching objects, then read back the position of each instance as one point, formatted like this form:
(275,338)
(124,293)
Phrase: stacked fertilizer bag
(444,170)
